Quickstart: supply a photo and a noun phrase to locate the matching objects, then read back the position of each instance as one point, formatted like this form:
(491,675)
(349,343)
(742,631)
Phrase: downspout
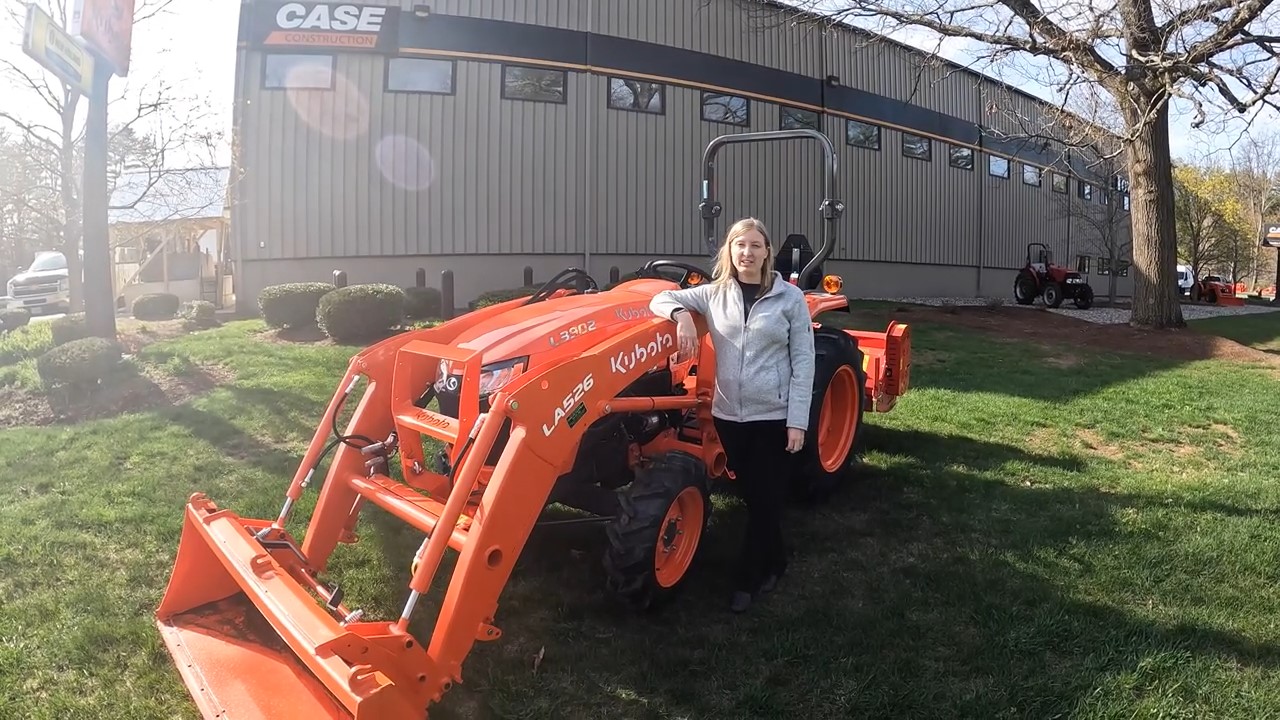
(592,133)
(982,207)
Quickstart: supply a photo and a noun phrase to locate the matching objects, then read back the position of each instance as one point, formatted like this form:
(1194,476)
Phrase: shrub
(156,306)
(25,343)
(292,305)
(13,319)
(422,302)
(200,314)
(79,363)
(493,297)
(68,328)
(361,312)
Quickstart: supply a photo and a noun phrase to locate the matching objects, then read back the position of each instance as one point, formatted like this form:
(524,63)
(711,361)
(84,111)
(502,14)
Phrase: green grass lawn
(1025,540)
(1261,331)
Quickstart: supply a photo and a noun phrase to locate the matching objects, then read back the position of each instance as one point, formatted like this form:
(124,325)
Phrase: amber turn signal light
(832,284)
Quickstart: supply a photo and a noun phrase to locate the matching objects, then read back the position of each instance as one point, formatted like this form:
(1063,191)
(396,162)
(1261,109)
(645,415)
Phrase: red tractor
(1054,282)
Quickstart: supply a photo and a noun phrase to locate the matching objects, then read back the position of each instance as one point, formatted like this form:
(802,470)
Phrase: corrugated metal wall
(358,171)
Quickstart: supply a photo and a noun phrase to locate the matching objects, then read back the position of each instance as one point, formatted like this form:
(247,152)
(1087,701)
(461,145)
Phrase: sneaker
(741,601)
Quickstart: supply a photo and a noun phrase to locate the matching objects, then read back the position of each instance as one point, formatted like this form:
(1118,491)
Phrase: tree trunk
(1155,245)
(1113,282)
(1276,300)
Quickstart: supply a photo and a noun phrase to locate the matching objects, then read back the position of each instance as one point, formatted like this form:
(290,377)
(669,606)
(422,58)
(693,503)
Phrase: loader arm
(253,630)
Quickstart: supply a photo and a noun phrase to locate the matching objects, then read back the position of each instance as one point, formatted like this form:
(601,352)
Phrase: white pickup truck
(41,288)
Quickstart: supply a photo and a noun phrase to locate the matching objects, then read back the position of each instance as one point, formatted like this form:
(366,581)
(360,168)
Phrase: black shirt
(750,291)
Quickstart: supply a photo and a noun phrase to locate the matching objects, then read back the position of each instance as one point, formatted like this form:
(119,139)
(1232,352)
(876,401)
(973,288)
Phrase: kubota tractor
(1042,278)
(466,432)
(1214,290)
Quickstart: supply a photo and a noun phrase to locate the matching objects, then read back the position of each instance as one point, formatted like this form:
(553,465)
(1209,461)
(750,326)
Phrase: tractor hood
(562,325)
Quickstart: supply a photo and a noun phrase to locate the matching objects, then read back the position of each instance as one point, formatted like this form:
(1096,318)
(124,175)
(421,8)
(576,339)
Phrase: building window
(796,118)
(299,72)
(1126,202)
(1059,182)
(914,146)
(420,75)
(1030,175)
(729,109)
(1084,190)
(998,167)
(960,157)
(534,84)
(862,134)
(637,95)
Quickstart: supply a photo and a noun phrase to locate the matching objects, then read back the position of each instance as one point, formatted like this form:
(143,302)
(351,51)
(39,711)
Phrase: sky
(191,49)
(200,66)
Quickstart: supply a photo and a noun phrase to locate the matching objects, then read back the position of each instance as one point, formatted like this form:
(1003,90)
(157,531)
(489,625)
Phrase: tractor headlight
(493,377)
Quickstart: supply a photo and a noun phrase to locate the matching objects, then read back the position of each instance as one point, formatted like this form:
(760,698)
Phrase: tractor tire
(654,538)
(1052,294)
(834,438)
(1211,296)
(1084,297)
(1024,288)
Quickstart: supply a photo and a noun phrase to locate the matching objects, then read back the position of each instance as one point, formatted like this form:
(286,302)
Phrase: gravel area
(1100,315)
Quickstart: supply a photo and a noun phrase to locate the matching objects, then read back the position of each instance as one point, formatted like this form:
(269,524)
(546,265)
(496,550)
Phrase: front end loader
(467,432)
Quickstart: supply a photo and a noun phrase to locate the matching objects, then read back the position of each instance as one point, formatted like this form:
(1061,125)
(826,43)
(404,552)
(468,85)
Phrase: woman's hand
(795,440)
(686,336)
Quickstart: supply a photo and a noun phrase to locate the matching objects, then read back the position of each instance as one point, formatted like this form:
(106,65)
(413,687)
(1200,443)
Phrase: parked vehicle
(41,288)
(1185,280)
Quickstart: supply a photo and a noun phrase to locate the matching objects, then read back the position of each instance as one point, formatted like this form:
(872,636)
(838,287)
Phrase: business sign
(54,48)
(1271,235)
(318,25)
(106,26)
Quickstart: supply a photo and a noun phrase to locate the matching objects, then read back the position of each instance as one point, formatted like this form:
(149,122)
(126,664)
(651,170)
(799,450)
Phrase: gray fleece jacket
(764,365)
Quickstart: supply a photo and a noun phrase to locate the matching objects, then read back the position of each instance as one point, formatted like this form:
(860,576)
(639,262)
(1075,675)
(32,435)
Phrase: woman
(763,338)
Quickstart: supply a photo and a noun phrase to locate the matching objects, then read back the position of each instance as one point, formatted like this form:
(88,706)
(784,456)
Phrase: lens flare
(342,112)
(404,162)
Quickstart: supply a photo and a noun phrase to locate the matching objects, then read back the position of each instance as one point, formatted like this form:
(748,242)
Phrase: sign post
(106,28)
(1271,239)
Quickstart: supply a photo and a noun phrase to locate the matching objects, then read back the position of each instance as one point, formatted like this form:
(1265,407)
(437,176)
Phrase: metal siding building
(484,136)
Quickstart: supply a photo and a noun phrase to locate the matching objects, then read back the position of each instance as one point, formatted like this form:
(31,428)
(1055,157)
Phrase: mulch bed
(1063,333)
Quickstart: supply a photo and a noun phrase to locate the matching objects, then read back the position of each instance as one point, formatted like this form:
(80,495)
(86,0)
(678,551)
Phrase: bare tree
(1255,168)
(58,141)
(1117,68)
(1102,225)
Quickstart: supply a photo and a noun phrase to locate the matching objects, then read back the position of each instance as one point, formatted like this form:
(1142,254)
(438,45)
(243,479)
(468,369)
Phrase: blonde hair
(725,272)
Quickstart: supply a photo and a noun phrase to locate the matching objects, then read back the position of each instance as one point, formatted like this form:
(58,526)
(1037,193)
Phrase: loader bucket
(250,642)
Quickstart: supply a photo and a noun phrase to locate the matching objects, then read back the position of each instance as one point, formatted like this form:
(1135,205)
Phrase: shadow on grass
(275,411)
(1260,331)
(921,591)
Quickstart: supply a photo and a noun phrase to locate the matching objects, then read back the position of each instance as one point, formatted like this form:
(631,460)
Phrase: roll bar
(831,208)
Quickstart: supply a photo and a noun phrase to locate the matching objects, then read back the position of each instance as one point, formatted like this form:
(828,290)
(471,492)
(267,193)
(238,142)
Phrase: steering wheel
(692,275)
(561,281)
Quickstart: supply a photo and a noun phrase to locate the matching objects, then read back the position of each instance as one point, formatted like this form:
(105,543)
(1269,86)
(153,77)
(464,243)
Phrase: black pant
(757,455)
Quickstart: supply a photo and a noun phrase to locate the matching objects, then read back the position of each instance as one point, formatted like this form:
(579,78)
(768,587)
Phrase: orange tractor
(1214,290)
(467,432)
